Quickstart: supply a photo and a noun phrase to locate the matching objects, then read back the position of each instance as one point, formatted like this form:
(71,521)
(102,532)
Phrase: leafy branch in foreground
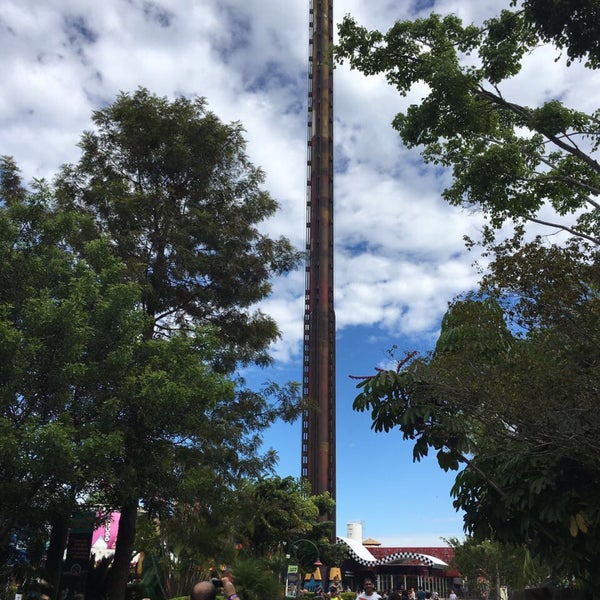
(512,161)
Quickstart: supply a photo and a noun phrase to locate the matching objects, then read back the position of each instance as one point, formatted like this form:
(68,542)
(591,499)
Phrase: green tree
(507,159)
(171,187)
(256,522)
(571,25)
(66,326)
(274,510)
(510,395)
(276,513)
(495,565)
(190,434)
(510,391)
(186,547)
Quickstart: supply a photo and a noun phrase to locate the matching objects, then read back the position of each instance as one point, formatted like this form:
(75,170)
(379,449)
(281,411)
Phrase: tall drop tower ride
(318,419)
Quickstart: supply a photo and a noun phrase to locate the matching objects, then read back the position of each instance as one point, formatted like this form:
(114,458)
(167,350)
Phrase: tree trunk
(56,550)
(123,552)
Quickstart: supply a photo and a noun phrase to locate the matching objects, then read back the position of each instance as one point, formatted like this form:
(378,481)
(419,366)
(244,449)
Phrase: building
(394,568)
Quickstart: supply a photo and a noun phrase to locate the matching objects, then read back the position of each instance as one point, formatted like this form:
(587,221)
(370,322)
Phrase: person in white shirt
(369,592)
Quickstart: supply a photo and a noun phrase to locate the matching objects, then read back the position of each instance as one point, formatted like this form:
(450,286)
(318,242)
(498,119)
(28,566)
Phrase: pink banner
(107,533)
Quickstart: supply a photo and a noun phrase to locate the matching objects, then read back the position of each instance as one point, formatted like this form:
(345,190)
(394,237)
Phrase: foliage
(511,161)
(571,25)
(173,189)
(96,581)
(182,549)
(274,509)
(222,530)
(66,327)
(129,293)
(497,565)
(517,408)
(509,393)
(254,580)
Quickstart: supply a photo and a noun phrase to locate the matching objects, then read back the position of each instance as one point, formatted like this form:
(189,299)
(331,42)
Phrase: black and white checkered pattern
(396,556)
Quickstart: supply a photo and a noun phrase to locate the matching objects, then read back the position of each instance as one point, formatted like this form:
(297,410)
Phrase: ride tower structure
(318,418)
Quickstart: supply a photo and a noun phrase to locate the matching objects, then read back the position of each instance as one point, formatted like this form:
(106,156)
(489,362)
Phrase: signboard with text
(291,581)
(77,557)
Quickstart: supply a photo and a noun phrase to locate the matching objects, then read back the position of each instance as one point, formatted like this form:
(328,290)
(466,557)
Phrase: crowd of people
(206,590)
(369,593)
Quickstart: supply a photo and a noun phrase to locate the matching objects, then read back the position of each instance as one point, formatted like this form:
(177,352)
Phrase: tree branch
(566,228)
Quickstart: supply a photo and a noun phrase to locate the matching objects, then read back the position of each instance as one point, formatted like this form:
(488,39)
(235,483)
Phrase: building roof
(371,542)
(444,553)
(374,556)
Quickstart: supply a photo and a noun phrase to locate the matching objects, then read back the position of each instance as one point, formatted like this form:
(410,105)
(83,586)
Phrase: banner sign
(77,557)
(291,581)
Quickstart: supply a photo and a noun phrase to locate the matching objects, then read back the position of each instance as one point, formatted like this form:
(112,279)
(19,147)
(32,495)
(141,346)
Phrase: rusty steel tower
(318,381)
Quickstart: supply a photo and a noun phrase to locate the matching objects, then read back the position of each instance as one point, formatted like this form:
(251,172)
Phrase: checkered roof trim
(362,555)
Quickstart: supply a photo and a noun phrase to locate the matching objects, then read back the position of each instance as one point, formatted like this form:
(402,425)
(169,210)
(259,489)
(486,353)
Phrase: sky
(399,250)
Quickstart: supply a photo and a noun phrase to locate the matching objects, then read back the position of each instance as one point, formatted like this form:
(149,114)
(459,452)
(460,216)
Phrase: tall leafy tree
(67,326)
(171,187)
(509,397)
(508,159)
(275,510)
(510,391)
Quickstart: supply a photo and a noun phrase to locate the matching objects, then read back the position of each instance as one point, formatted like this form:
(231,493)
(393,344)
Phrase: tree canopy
(254,524)
(514,409)
(509,395)
(488,566)
(172,188)
(571,25)
(508,159)
(67,328)
(129,301)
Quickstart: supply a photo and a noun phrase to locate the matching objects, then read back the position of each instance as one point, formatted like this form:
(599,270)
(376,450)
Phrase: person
(395,595)
(412,594)
(435,595)
(453,595)
(369,592)
(206,590)
(334,592)
(420,594)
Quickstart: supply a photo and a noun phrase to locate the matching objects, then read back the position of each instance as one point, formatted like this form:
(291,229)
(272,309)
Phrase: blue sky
(399,254)
(397,501)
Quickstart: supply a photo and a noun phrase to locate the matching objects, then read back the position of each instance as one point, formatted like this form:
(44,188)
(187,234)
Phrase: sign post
(291,581)
(77,558)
